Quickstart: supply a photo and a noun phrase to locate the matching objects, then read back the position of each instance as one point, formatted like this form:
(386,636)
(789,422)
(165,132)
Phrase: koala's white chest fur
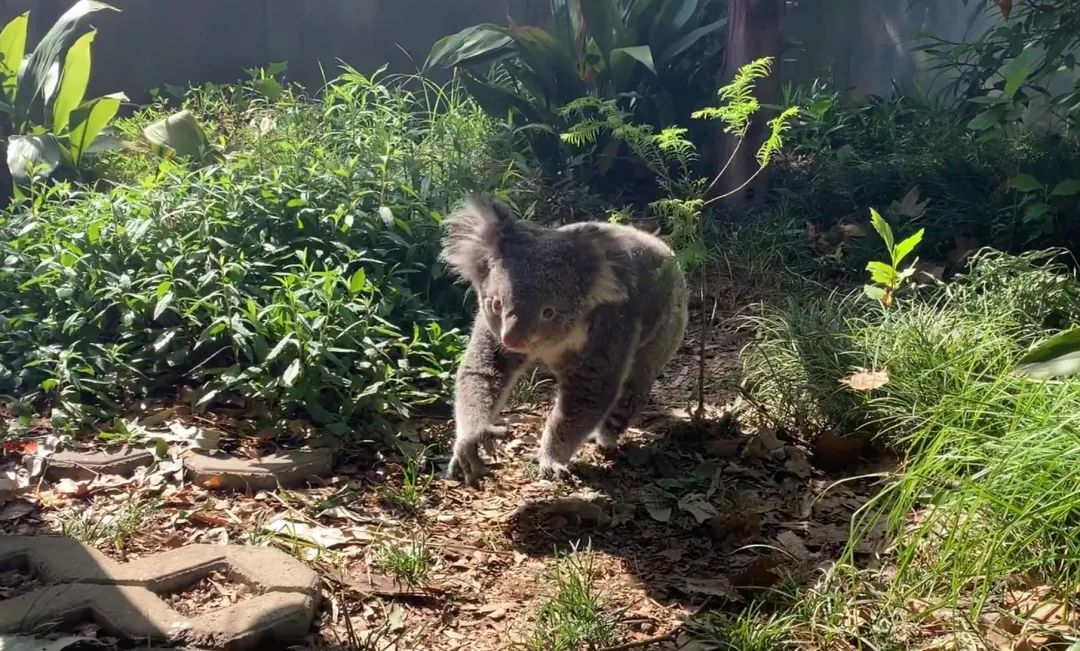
(551,355)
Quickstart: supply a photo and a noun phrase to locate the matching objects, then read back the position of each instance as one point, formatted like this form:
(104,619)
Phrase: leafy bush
(1002,192)
(49,122)
(657,57)
(989,452)
(301,272)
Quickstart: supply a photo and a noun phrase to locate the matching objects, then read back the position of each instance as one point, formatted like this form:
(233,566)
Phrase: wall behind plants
(153,42)
(862,44)
(866,45)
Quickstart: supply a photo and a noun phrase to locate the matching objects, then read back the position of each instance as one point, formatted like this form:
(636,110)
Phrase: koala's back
(648,267)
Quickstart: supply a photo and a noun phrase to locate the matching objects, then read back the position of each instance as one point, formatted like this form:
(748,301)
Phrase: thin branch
(738,189)
(730,160)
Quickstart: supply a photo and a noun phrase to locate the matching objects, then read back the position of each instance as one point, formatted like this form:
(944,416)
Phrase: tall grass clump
(986,490)
(298,269)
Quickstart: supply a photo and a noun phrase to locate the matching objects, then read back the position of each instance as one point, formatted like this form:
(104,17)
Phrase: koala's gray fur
(603,306)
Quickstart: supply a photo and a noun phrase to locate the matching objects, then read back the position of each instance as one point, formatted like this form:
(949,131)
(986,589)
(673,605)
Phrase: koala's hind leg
(589,388)
(632,399)
(647,365)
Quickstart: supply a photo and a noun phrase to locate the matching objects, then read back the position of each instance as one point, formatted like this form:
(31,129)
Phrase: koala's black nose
(512,335)
(514,341)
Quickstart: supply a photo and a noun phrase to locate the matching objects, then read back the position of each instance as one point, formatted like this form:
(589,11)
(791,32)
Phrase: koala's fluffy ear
(472,234)
(609,277)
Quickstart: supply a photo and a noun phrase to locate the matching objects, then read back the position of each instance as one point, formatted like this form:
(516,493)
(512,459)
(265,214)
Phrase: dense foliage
(300,272)
(658,58)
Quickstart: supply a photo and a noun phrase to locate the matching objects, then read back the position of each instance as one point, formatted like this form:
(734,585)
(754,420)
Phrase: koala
(603,306)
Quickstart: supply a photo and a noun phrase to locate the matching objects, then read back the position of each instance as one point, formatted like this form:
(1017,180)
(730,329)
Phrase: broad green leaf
(1017,70)
(1056,357)
(568,24)
(672,52)
(603,24)
(162,342)
(1067,188)
(269,88)
(292,373)
(498,101)
(73,83)
(658,510)
(180,133)
(640,53)
(1025,183)
(473,45)
(90,120)
(883,229)
(358,281)
(278,348)
(907,246)
(38,70)
(34,157)
(163,304)
(876,293)
(1035,212)
(883,274)
(985,120)
(12,50)
(541,52)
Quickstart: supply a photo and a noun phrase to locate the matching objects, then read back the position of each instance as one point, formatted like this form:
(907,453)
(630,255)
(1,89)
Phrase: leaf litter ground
(684,518)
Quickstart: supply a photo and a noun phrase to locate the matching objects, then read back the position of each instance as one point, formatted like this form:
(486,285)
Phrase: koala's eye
(496,306)
(547,314)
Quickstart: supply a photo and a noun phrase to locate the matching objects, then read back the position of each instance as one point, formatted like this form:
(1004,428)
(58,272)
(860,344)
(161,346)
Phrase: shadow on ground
(701,514)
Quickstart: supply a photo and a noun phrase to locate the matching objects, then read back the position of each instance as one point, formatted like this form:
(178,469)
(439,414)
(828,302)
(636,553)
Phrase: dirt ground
(685,518)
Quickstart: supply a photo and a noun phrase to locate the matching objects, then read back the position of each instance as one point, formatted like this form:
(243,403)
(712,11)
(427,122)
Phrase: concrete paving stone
(84,585)
(287,468)
(76,465)
(56,560)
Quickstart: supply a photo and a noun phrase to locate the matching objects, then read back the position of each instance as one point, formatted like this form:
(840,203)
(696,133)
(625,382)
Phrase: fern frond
(778,126)
(673,139)
(737,101)
(582,133)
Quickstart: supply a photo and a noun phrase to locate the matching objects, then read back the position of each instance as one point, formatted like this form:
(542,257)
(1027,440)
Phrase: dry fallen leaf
(717,587)
(791,543)
(1006,7)
(798,462)
(864,380)
(910,205)
(71,488)
(321,536)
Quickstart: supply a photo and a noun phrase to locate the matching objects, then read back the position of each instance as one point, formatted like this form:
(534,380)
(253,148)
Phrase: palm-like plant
(630,50)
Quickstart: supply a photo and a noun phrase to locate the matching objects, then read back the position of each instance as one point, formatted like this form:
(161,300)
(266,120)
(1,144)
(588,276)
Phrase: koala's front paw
(466,460)
(551,469)
(607,442)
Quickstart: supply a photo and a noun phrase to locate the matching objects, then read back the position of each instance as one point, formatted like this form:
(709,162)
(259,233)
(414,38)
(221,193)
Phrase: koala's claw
(554,469)
(467,463)
(466,460)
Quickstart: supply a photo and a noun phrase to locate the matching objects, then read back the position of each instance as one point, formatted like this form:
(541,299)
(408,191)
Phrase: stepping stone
(79,466)
(286,469)
(82,585)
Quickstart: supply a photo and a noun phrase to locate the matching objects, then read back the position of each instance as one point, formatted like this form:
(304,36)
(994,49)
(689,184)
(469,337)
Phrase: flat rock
(79,466)
(286,469)
(124,598)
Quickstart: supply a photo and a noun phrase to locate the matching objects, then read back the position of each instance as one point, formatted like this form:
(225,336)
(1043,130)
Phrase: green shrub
(300,272)
(1005,192)
(989,454)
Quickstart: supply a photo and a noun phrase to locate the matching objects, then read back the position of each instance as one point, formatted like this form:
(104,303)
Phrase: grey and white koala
(603,306)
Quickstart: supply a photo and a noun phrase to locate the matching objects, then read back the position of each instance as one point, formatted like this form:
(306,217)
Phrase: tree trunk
(755,30)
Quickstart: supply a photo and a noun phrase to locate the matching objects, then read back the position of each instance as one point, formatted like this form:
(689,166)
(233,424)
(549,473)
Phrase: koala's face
(536,286)
(536,293)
